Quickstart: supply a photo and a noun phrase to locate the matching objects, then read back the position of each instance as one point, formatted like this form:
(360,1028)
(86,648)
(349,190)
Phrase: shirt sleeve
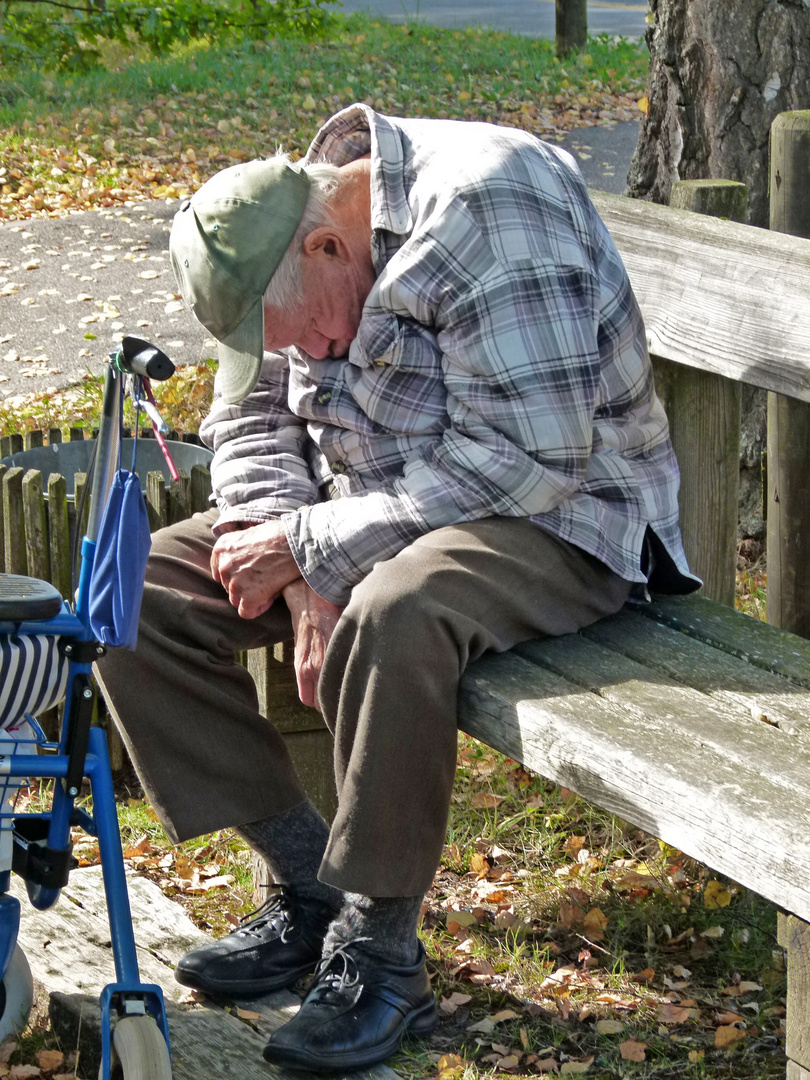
(260,468)
(520,360)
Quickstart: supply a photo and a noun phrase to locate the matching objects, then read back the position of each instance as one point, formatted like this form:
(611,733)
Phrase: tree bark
(571,26)
(719,75)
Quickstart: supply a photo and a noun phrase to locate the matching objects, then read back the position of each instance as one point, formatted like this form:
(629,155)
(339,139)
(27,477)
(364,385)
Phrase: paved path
(534,18)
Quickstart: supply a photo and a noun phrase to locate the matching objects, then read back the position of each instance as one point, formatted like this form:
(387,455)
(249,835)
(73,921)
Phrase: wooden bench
(683,717)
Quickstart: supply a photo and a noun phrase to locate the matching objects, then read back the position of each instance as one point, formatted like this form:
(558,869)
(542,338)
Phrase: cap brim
(240,356)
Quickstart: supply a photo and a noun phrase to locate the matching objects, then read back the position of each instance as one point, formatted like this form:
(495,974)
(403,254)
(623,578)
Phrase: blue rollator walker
(47,648)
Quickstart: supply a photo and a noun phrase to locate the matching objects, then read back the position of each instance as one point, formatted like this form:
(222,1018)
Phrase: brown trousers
(208,759)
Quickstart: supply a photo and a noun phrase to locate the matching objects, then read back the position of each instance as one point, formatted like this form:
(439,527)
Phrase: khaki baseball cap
(226,242)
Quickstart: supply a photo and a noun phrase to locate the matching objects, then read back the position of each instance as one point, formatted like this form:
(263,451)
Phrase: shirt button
(338,467)
(323,398)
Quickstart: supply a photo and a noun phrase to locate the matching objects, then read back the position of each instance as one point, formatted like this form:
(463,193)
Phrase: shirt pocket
(385,339)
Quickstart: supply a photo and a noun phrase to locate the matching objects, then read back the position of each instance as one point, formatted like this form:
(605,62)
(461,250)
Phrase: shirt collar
(358,130)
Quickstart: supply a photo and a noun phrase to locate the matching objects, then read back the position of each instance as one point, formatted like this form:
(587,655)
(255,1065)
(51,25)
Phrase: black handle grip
(138,357)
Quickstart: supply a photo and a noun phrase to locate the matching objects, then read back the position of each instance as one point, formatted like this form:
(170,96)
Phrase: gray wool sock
(388,922)
(293,844)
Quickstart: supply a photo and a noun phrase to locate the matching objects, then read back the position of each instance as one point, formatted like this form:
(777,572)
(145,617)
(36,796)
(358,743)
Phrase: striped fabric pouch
(33,675)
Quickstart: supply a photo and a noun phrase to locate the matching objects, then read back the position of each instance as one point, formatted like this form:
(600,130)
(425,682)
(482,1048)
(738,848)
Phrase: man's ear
(325,242)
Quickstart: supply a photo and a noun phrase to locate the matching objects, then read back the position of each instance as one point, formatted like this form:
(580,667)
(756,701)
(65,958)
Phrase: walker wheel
(139,1051)
(16,995)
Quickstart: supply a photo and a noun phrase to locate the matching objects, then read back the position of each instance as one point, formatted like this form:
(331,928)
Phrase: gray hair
(286,287)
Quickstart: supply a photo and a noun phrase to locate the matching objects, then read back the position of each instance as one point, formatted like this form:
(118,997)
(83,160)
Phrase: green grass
(156,127)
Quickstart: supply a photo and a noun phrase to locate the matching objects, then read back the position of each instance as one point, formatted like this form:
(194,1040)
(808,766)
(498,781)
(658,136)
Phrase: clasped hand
(253,566)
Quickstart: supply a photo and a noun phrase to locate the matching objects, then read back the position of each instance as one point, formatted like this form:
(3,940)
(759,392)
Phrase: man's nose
(315,344)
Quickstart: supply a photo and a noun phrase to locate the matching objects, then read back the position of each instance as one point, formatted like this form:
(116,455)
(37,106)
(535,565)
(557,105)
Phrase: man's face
(326,322)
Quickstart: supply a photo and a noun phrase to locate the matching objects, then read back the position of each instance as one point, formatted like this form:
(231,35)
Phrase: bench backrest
(725,298)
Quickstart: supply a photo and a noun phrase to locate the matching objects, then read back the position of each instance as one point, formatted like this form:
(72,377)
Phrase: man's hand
(314,620)
(254,565)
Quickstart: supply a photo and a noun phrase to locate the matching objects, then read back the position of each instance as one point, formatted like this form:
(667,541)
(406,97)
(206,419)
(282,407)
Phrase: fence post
(788,598)
(37,548)
(704,415)
(59,535)
(16,562)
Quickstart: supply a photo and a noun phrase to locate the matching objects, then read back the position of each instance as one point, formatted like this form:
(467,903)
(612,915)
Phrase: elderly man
(435,434)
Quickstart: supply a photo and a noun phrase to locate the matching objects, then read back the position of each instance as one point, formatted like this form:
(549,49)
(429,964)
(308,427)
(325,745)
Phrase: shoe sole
(420,1023)
(246,988)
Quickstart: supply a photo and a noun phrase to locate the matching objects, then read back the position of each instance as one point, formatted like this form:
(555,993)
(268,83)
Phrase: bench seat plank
(699,772)
(758,643)
(767,697)
(728,728)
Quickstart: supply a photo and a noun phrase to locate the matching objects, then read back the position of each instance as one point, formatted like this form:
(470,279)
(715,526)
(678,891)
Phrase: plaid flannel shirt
(500,369)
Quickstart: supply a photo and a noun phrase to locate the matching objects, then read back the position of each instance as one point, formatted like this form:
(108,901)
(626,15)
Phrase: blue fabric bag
(122,548)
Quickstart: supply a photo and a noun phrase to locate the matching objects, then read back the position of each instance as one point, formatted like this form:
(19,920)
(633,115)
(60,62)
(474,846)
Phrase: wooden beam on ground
(69,951)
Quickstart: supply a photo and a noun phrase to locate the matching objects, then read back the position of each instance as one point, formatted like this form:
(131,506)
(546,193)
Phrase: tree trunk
(719,75)
(571,26)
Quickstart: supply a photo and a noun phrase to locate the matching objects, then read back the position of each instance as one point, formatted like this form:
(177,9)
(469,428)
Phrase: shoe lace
(339,971)
(278,907)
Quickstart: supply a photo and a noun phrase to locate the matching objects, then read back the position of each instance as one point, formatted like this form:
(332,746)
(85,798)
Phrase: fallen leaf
(505,1014)
(713,932)
(547,1065)
(485,1026)
(594,924)
(449,1065)
(49,1060)
(716,895)
(486,800)
(728,1035)
(575,1068)
(631,1050)
(673,1014)
(645,976)
(449,1005)
(609,1027)
(247,1014)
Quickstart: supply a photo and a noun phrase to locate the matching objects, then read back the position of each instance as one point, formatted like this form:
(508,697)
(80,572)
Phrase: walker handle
(138,357)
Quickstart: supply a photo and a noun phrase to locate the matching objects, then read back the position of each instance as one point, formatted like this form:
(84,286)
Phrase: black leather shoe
(355,1013)
(271,949)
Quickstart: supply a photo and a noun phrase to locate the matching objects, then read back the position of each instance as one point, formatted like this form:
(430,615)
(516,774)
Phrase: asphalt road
(533,18)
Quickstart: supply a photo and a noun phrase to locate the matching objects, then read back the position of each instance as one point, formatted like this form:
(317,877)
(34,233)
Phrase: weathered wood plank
(59,535)
(200,489)
(685,268)
(676,709)
(69,951)
(759,644)
(37,548)
(156,501)
(704,424)
(759,693)
(669,782)
(794,937)
(16,562)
